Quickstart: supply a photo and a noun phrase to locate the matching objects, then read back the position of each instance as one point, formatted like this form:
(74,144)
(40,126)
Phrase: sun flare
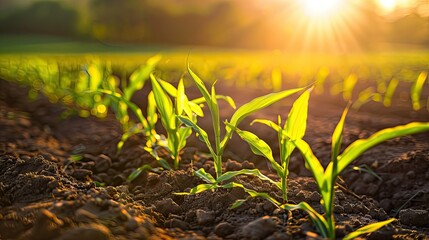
(317,8)
(387,5)
(326,25)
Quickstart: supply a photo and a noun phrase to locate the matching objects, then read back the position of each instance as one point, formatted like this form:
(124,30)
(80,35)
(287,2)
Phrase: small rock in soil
(342,230)
(167,206)
(223,229)
(81,174)
(368,178)
(83,215)
(47,226)
(103,163)
(132,224)
(414,217)
(247,165)
(118,180)
(382,234)
(205,217)
(232,165)
(177,223)
(314,197)
(386,204)
(260,228)
(92,231)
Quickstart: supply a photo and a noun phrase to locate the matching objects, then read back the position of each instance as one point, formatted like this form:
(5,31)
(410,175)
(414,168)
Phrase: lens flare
(318,9)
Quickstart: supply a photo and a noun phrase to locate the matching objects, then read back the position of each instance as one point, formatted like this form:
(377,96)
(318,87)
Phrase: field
(115,145)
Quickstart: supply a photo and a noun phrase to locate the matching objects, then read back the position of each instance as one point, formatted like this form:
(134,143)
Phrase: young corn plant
(220,142)
(177,132)
(294,128)
(326,178)
(121,104)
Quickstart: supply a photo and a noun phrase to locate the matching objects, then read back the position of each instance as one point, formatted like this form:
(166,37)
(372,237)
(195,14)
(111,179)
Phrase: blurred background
(285,25)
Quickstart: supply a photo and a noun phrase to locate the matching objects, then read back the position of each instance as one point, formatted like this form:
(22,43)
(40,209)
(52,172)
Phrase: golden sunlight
(387,5)
(326,25)
(318,9)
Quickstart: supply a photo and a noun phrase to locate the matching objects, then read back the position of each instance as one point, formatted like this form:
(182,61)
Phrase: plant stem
(176,162)
(218,165)
(284,187)
(330,206)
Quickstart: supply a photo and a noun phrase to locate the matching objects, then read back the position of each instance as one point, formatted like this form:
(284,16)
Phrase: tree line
(216,23)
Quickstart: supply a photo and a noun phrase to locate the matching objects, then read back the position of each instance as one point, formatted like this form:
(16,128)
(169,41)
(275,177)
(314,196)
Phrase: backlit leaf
(258,104)
(318,220)
(368,229)
(358,147)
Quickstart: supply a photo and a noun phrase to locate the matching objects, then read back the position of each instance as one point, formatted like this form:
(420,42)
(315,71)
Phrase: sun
(326,25)
(320,9)
(387,5)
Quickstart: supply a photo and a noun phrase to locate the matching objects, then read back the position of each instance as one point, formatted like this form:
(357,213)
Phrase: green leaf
(252,172)
(237,203)
(312,163)
(152,117)
(96,76)
(168,87)
(416,89)
(198,189)
(202,135)
(215,116)
(138,171)
(296,123)
(183,134)
(393,84)
(200,86)
(164,104)
(295,126)
(358,147)
(337,136)
(258,104)
(76,157)
(201,173)
(134,108)
(228,99)
(260,147)
(181,99)
(195,108)
(269,123)
(367,229)
(348,86)
(140,76)
(252,193)
(318,220)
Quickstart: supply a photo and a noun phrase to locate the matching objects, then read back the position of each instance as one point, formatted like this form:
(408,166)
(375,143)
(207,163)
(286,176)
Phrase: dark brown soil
(46,195)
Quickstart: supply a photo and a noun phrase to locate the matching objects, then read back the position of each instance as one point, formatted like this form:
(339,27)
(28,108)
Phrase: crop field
(214,144)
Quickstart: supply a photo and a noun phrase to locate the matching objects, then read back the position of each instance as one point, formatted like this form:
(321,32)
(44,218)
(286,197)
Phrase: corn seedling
(416,90)
(326,178)
(220,143)
(348,86)
(122,103)
(136,82)
(177,132)
(294,128)
(387,100)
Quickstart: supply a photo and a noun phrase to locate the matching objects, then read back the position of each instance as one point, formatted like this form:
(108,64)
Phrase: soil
(44,194)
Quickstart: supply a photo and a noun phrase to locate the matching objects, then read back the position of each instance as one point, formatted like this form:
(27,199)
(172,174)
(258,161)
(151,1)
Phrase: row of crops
(94,86)
(361,78)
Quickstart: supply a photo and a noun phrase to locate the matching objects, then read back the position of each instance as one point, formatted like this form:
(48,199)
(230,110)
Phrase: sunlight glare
(327,25)
(317,8)
(387,5)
